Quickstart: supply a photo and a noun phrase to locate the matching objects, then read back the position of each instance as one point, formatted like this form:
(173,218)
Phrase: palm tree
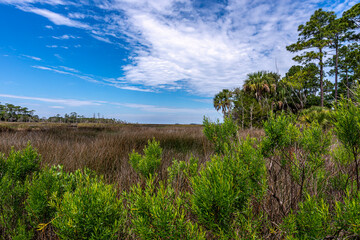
(262,84)
(223,101)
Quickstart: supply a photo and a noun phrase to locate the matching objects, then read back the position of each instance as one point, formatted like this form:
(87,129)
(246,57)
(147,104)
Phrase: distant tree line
(73,117)
(324,41)
(12,113)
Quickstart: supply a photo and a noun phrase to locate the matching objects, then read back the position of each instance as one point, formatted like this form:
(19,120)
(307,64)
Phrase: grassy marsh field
(105,148)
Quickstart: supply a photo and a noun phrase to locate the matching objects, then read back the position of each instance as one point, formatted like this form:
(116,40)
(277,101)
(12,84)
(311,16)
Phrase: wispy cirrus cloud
(67,102)
(24,2)
(57,46)
(94,79)
(65,37)
(32,57)
(56,18)
(103,39)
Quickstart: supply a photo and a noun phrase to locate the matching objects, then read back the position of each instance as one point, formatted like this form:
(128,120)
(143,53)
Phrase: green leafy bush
(181,171)
(157,213)
(346,120)
(21,164)
(299,153)
(91,211)
(220,134)
(311,221)
(342,159)
(348,216)
(226,183)
(150,161)
(248,223)
(15,170)
(308,168)
(281,135)
(45,185)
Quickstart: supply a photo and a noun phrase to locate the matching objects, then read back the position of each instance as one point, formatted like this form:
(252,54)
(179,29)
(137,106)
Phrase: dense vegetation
(325,42)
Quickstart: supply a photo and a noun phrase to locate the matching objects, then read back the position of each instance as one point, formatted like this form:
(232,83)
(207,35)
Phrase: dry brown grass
(105,147)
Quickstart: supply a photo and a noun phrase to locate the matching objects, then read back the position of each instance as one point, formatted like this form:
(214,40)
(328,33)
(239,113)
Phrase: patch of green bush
(183,170)
(157,213)
(346,120)
(348,216)
(311,221)
(226,183)
(45,185)
(220,134)
(16,169)
(147,164)
(92,211)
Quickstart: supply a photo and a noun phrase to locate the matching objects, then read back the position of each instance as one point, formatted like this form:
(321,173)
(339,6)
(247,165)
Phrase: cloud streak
(94,79)
(67,102)
(56,18)
(32,57)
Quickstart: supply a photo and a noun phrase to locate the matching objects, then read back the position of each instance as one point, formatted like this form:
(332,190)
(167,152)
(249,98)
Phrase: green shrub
(21,164)
(91,211)
(147,164)
(281,134)
(348,216)
(181,171)
(346,120)
(226,183)
(309,167)
(342,158)
(312,220)
(15,171)
(45,185)
(2,165)
(248,223)
(299,153)
(220,134)
(157,213)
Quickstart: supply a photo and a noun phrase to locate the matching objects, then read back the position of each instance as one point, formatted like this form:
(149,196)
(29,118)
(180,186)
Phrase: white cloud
(56,18)
(69,69)
(56,46)
(67,102)
(101,38)
(90,78)
(52,69)
(65,36)
(23,2)
(49,27)
(57,107)
(32,57)
(132,88)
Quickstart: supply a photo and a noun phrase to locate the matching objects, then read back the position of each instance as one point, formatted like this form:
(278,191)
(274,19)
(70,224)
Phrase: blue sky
(146,61)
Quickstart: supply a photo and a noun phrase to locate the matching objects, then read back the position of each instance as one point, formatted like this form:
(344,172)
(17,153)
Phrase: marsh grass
(105,148)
